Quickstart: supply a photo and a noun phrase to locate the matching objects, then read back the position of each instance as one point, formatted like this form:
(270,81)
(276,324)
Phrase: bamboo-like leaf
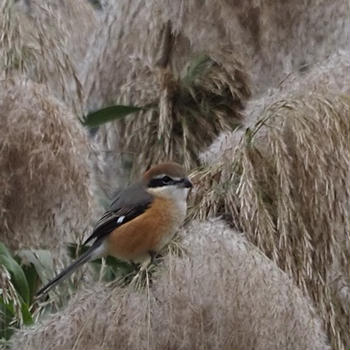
(6,316)
(108,114)
(33,279)
(4,250)
(42,261)
(26,315)
(17,275)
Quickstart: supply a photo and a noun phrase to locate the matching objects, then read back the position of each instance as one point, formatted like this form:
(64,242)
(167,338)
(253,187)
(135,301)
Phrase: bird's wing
(126,205)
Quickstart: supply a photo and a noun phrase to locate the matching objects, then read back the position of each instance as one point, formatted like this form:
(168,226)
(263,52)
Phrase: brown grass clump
(191,95)
(190,111)
(272,38)
(222,294)
(34,42)
(44,169)
(325,75)
(284,185)
(322,77)
(127,51)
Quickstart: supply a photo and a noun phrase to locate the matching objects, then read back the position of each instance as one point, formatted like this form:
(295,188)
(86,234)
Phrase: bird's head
(167,180)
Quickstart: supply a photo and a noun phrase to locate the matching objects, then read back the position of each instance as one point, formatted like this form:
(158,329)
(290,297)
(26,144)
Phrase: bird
(140,221)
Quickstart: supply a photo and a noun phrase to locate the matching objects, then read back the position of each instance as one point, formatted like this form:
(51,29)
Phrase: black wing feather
(127,203)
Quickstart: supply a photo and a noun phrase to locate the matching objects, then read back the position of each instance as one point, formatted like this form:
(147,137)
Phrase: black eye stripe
(156,183)
(164,181)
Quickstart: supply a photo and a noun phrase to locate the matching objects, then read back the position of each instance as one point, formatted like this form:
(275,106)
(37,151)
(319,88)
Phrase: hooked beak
(186,183)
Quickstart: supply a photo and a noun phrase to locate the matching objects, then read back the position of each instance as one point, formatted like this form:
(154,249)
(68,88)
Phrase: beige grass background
(273,272)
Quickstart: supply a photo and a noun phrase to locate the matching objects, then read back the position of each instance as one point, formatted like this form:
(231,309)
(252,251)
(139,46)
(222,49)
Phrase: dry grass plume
(284,184)
(127,53)
(223,294)
(191,95)
(322,77)
(282,178)
(272,38)
(45,176)
(34,43)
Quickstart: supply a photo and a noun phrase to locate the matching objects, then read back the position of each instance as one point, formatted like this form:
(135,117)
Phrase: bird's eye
(161,181)
(166,179)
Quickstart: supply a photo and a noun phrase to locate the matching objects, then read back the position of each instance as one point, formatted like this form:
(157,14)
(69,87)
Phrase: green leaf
(37,266)
(6,316)
(109,114)
(33,279)
(26,315)
(42,261)
(17,276)
(4,250)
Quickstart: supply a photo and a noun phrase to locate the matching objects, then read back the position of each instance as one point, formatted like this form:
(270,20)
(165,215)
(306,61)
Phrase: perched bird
(140,221)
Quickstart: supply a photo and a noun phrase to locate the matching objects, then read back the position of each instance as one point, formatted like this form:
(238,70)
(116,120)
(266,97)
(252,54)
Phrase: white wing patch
(120,219)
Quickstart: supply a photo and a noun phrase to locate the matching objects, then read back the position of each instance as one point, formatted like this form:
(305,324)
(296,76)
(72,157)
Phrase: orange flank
(147,232)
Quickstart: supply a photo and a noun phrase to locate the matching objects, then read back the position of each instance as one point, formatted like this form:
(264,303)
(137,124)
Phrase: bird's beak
(187,183)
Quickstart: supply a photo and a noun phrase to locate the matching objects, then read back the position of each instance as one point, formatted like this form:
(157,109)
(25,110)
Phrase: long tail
(90,254)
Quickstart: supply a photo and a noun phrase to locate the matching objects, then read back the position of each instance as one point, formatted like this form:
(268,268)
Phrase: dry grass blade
(285,186)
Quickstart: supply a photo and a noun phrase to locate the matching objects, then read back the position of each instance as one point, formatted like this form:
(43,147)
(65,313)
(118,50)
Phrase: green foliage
(17,276)
(38,266)
(96,4)
(20,277)
(108,114)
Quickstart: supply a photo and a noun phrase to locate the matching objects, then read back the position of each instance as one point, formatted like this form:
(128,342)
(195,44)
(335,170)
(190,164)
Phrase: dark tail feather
(85,257)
